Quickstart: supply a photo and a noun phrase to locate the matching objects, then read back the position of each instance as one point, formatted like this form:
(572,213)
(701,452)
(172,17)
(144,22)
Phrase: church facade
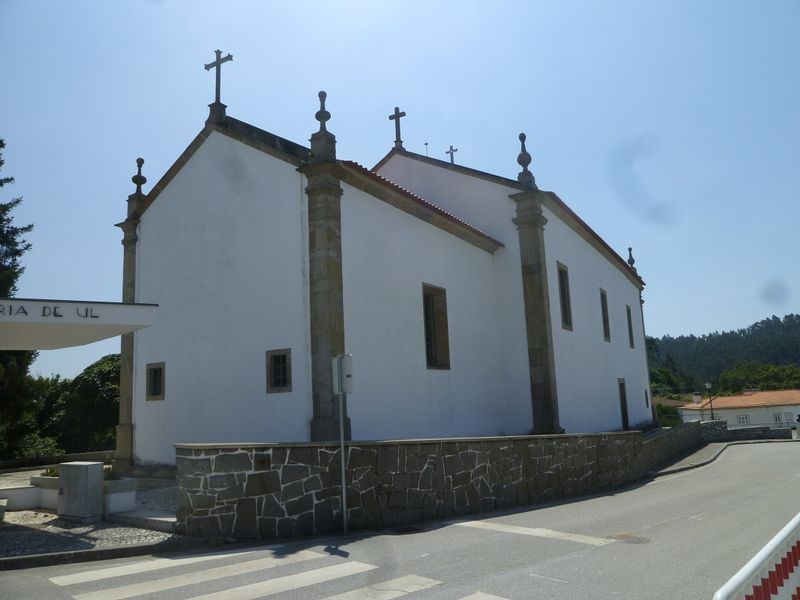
(473,304)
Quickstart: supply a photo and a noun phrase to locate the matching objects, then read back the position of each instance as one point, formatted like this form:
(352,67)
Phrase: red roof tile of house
(750,400)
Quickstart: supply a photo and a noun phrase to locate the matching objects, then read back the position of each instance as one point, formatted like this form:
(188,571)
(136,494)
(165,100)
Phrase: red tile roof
(750,400)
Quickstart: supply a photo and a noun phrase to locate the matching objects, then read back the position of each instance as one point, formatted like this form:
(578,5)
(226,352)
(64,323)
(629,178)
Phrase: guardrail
(773,573)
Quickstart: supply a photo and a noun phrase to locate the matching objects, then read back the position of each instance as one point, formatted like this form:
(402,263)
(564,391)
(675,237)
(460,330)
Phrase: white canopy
(36,324)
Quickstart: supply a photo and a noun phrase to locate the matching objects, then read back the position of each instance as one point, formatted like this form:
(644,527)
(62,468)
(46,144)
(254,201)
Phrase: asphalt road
(679,536)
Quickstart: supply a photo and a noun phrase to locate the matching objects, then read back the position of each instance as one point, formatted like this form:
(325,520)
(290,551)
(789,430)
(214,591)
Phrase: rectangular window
(630,326)
(155,381)
(646,399)
(777,417)
(742,419)
(623,404)
(604,313)
(788,418)
(434,310)
(563,294)
(279,371)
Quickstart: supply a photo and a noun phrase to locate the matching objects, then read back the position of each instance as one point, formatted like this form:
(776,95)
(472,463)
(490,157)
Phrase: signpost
(342,369)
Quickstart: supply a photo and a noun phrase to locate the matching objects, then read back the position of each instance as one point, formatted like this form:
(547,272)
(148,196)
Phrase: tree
(12,243)
(15,401)
(88,410)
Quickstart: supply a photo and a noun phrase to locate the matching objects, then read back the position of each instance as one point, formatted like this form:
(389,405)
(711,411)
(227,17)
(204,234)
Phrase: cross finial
(398,143)
(525,177)
(451,152)
(322,115)
(217,64)
(139,179)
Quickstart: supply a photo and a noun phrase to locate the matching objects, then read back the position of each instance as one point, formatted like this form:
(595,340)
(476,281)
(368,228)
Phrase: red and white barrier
(772,574)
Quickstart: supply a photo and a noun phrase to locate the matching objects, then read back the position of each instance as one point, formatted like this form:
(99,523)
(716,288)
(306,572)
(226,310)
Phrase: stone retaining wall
(282,490)
(666,445)
(717,431)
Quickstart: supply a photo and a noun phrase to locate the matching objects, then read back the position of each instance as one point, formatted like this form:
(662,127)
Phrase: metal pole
(342,398)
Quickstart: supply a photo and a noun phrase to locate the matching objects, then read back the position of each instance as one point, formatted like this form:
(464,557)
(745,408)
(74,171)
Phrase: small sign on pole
(342,369)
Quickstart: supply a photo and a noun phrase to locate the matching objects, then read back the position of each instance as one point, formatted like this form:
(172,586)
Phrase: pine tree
(15,396)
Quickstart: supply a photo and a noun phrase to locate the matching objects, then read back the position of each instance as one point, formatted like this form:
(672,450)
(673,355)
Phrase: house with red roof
(778,408)
(472,304)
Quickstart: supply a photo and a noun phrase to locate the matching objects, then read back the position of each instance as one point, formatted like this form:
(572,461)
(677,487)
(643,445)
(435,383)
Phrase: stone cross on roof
(398,143)
(452,152)
(217,64)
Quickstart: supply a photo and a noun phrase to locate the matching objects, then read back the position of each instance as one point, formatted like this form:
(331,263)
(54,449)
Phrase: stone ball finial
(631,260)
(322,115)
(139,180)
(523,160)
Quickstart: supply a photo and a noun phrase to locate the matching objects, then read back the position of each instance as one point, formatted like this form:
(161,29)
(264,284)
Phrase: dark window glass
(563,292)
(604,311)
(437,344)
(630,326)
(279,371)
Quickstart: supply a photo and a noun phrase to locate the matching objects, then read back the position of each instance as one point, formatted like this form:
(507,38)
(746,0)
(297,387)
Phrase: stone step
(157,521)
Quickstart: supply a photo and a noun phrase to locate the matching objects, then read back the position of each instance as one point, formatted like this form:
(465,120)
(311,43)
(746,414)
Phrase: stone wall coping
(199,446)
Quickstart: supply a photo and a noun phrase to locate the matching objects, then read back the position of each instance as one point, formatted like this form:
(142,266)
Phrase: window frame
(564,296)
(271,387)
(436,329)
(149,370)
(604,315)
(629,315)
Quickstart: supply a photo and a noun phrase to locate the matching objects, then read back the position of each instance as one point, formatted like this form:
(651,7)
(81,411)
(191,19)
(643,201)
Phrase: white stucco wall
(588,367)
(223,252)
(387,256)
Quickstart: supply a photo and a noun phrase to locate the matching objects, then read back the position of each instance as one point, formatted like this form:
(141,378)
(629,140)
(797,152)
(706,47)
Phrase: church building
(472,304)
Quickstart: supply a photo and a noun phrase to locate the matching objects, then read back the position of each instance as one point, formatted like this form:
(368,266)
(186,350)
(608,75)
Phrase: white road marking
(548,578)
(140,567)
(289,582)
(170,583)
(394,588)
(482,596)
(537,532)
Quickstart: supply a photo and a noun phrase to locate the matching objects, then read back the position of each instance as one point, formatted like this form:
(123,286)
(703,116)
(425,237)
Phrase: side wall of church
(588,368)
(387,257)
(223,252)
(485,205)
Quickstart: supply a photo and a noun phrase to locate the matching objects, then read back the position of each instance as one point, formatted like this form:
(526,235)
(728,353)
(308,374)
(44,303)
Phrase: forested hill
(696,359)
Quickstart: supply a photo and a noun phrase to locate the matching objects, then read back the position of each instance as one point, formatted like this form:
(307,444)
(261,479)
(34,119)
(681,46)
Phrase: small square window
(434,312)
(155,381)
(563,295)
(279,371)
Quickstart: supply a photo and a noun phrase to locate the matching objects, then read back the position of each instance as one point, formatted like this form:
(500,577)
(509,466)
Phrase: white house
(472,304)
(778,408)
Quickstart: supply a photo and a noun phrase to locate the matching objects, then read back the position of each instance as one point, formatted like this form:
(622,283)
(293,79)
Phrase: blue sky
(671,127)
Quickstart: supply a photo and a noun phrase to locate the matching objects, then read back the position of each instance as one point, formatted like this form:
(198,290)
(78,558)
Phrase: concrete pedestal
(80,491)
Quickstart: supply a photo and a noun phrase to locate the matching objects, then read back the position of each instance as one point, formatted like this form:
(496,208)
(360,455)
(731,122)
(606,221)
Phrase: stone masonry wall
(666,445)
(283,490)
(717,431)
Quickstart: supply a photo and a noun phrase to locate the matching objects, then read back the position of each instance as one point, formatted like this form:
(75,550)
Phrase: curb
(27,561)
(713,457)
